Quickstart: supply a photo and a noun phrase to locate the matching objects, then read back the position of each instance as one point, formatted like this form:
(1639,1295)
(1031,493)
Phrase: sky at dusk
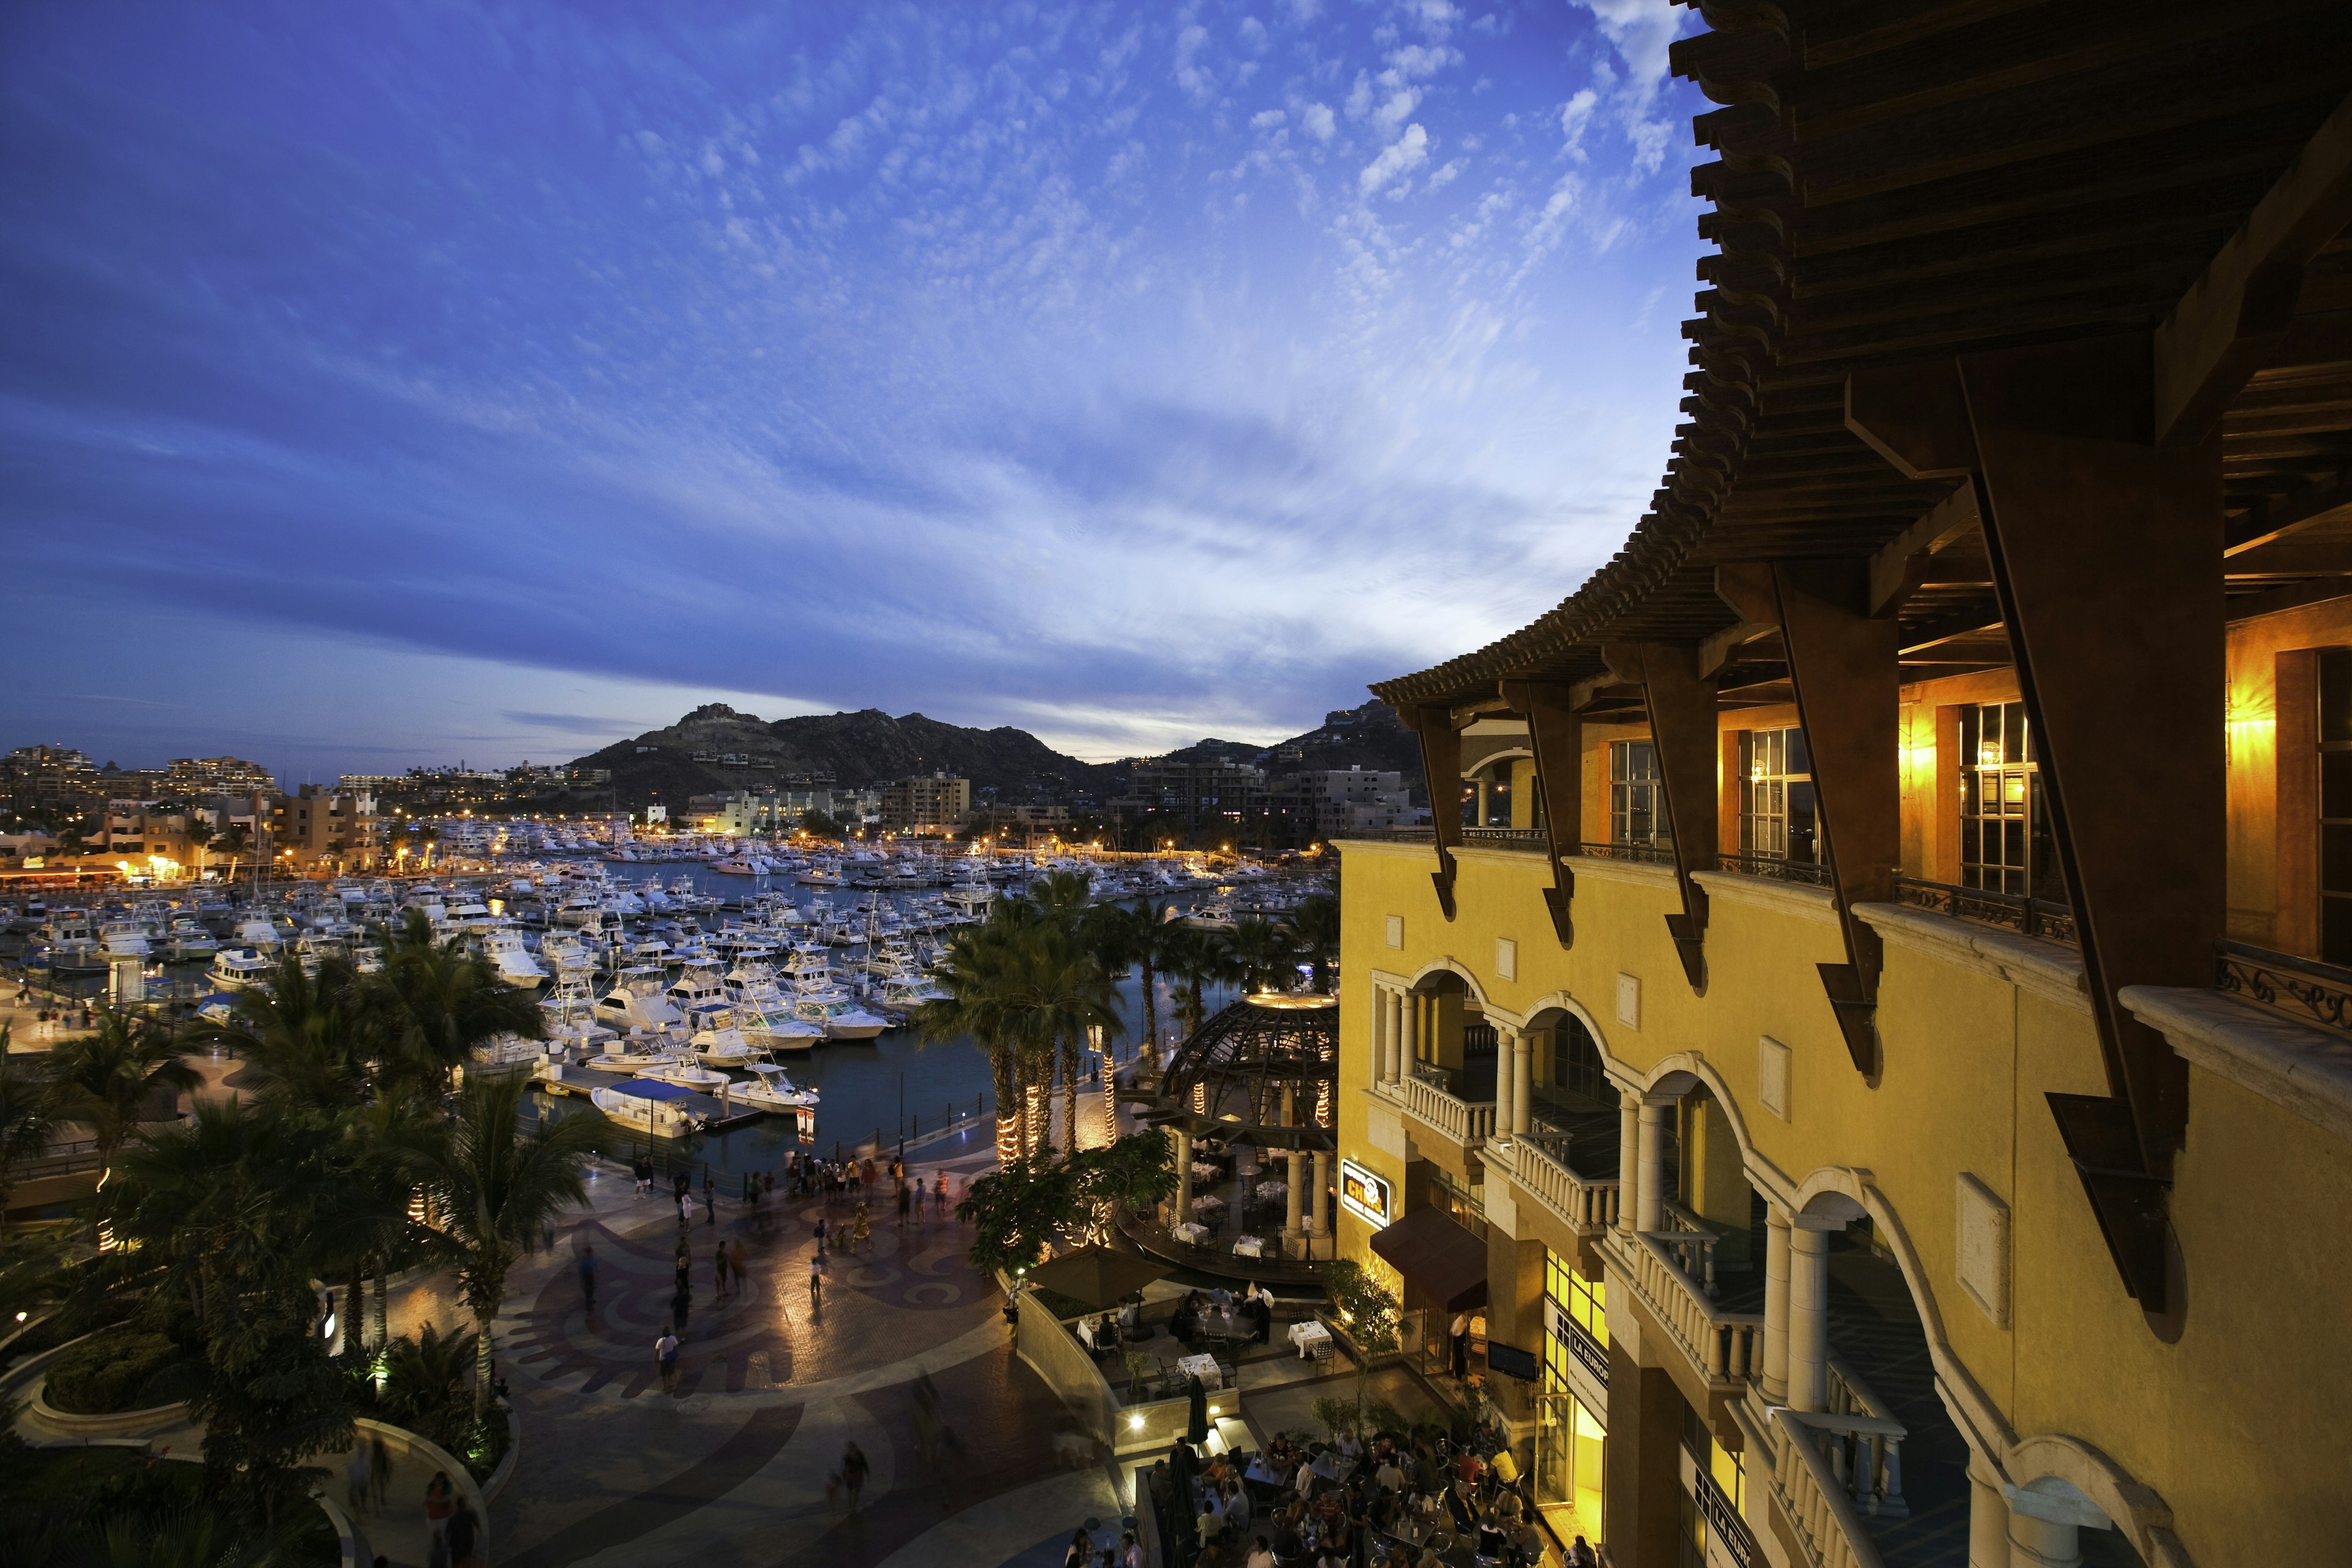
(384,384)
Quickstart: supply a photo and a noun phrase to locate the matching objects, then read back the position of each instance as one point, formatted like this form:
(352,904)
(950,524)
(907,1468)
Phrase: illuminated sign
(1364,1194)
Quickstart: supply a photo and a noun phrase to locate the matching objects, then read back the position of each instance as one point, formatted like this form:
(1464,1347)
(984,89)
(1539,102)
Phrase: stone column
(1380,1033)
(1411,1012)
(1776,1306)
(1295,1203)
(1629,1160)
(1651,1213)
(1503,1081)
(1319,1221)
(2039,1542)
(1183,1176)
(1988,1515)
(1485,786)
(1522,1080)
(1808,1310)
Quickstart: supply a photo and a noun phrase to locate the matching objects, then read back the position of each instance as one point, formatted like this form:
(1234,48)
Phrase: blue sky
(390,383)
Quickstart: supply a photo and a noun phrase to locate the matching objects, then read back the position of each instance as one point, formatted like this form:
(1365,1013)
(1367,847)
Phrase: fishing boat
(636,1002)
(629,1056)
(724,1046)
(772,1088)
(515,966)
(648,1106)
(239,968)
(686,1075)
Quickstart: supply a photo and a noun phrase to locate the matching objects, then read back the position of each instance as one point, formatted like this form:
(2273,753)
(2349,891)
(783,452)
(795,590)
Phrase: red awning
(1442,1261)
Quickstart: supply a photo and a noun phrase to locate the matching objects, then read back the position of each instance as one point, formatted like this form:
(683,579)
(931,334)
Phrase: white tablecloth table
(1188,1231)
(1307,1335)
(1203,1367)
(1273,1192)
(1206,1201)
(1249,1247)
(1202,1172)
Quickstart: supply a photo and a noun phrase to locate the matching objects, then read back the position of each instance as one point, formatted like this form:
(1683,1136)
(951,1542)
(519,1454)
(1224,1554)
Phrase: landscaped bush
(119,1369)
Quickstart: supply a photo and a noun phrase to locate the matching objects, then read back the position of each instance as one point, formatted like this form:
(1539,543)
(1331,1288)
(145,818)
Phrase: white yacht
(724,1046)
(647,1107)
(700,986)
(771,1086)
(682,1072)
(189,941)
(839,1015)
(636,1002)
(629,1056)
(124,939)
(239,968)
(515,966)
(257,931)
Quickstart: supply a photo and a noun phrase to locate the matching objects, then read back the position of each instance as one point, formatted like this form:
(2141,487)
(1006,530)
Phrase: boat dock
(714,1118)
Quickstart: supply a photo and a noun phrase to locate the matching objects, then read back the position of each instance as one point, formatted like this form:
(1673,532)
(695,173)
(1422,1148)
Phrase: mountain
(715,748)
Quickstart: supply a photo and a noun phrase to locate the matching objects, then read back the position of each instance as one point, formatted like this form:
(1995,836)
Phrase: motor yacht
(636,1002)
(771,1087)
(686,1075)
(724,1046)
(646,1106)
(515,966)
(189,941)
(240,969)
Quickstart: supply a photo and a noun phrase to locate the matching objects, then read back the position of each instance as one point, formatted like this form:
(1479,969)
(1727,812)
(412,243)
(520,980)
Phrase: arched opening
(1500,792)
(1454,1045)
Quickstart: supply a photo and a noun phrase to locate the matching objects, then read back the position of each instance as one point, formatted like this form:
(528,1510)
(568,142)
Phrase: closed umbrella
(1095,1276)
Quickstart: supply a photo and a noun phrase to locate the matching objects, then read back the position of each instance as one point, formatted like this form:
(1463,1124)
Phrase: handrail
(1533,838)
(1588,1203)
(1467,1125)
(1826,1524)
(1775,869)
(1868,1458)
(2027,917)
(2320,992)
(1722,1345)
(1638,854)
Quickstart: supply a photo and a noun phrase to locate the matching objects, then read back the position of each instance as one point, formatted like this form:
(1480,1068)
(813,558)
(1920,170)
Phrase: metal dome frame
(1242,1059)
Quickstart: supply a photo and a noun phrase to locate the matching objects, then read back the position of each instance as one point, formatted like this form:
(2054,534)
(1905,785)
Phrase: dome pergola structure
(1228,1078)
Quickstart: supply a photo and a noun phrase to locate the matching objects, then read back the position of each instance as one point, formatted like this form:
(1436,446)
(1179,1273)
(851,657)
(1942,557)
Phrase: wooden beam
(1682,727)
(1556,735)
(2330,500)
(1899,568)
(1441,771)
(2290,596)
(1957,630)
(1915,417)
(1716,652)
(2291,558)
(1746,587)
(2234,317)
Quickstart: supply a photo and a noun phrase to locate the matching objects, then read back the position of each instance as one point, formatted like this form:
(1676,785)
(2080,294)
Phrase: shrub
(108,1371)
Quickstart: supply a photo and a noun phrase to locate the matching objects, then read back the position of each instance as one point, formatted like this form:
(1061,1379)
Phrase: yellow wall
(2234,1424)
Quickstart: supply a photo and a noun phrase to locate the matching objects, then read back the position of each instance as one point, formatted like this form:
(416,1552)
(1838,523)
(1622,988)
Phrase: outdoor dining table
(1249,1247)
(1273,1191)
(1205,1173)
(1203,1367)
(1207,1201)
(1191,1232)
(1307,1335)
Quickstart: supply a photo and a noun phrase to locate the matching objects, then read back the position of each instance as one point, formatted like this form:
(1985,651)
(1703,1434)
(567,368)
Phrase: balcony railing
(1638,854)
(1693,1243)
(1862,1442)
(1775,869)
(1507,838)
(1587,1204)
(1724,1346)
(2312,991)
(2027,917)
(1467,1125)
(1829,1527)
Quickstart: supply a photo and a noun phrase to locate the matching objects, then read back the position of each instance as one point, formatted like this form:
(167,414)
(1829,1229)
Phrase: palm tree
(235,839)
(1199,959)
(106,1080)
(494,1187)
(28,1116)
(380,1140)
(304,1038)
(200,835)
(1260,954)
(434,1002)
(1062,995)
(976,973)
(1315,930)
(1131,937)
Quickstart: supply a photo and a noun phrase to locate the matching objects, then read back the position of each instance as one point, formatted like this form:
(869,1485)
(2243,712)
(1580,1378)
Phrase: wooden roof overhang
(1896,183)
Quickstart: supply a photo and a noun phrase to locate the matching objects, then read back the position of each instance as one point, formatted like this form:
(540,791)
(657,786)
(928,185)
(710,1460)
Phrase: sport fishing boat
(239,968)
(648,1106)
(772,1088)
(686,1075)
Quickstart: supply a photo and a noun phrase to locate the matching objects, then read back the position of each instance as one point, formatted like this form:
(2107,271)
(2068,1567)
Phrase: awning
(1443,1261)
(652,1089)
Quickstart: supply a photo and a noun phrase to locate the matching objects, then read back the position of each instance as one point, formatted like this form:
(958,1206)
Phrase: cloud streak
(1119,375)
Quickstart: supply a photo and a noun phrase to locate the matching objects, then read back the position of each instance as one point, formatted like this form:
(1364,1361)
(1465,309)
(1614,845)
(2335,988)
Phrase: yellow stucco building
(1880,999)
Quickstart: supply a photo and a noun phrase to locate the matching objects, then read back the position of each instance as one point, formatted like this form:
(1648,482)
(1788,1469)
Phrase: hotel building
(1876,1035)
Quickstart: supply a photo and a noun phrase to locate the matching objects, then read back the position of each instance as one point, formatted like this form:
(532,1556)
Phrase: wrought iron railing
(1775,869)
(2319,992)
(1402,834)
(1522,837)
(2027,917)
(1639,854)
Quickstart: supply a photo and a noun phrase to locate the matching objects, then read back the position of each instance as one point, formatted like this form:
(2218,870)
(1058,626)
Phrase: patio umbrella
(1095,1275)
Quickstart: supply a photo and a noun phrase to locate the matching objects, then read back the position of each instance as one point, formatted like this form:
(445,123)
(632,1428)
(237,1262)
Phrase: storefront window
(1570,1437)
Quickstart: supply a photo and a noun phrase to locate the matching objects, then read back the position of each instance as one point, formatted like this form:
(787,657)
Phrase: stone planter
(114,1424)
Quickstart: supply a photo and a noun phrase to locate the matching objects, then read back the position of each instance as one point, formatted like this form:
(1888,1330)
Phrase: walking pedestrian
(463,1532)
(736,1259)
(587,1267)
(666,1357)
(816,1279)
(718,1268)
(437,1509)
(358,1483)
(853,1472)
(680,1302)
(379,1471)
(943,1195)
(820,1236)
(861,1234)
(921,1192)
(902,1205)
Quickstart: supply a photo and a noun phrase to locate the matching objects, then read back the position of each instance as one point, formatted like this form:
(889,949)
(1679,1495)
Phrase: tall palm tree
(1260,954)
(1315,930)
(106,1080)
(1062,995)
(374,1181)
(976,974)
(434,1002)
(1125,938)
(28,1115)
(305,1039)
(1199,959)
(200,835)
(235,839)
(494,1187)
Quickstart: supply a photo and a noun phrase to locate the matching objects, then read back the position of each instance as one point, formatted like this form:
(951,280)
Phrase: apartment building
(1875,1036)
(934,803)
(317,828)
